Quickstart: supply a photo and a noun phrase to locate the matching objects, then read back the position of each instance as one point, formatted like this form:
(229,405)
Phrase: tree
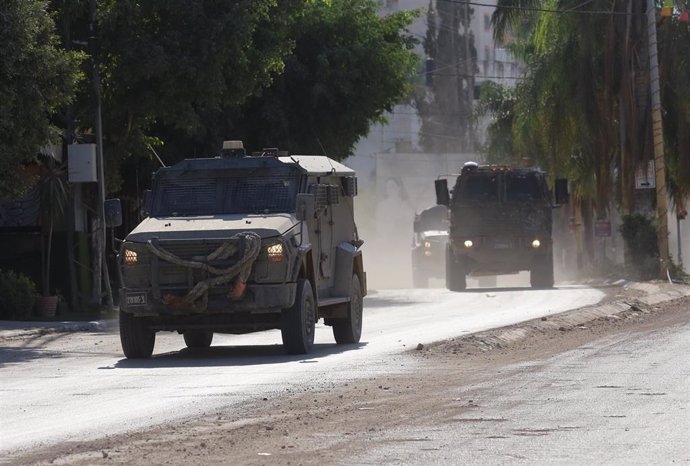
(348,67)
(675,63)
(446,110)
(174,71)
(36,78)
(584,108)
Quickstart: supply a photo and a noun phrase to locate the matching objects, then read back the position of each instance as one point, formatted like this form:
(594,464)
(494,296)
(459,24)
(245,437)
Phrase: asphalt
(651,293)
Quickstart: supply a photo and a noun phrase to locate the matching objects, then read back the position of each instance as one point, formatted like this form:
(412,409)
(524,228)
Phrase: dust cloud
(392,189)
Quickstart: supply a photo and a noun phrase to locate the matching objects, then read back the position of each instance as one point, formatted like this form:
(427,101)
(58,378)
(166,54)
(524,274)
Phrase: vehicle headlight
(130,257)
(536,243)
(468,243)
(427,244)
(275,252)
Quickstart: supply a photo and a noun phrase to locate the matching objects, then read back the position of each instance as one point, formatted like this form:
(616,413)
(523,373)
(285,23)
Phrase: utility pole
(658,135)
(100,272)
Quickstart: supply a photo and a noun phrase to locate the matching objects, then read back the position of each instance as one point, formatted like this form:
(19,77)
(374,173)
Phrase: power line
(545,10)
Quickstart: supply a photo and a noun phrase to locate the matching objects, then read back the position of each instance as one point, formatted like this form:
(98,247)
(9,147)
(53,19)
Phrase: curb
(14,330)
(654,294)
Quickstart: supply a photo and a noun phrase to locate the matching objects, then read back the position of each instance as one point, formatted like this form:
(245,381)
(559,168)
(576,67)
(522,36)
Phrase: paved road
(77,386)
(621,400)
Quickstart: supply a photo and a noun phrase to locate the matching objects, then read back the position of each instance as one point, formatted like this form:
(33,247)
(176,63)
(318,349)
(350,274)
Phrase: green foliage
(55,195)
(177,70)
(640,236)
(348,67)
(36,78)
(17,295)
(675,62)
(499,102)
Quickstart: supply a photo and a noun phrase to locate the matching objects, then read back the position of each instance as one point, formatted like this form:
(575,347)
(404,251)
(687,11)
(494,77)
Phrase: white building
(395,179)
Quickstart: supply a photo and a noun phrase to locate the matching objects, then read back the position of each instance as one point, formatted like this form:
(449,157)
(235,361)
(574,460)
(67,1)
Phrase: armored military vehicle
(242,243)
(429,239)
(500,223)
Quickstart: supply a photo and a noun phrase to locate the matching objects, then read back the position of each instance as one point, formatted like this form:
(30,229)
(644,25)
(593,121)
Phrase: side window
(524,187)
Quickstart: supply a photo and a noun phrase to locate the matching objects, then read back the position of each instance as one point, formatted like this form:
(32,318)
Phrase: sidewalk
(10,329)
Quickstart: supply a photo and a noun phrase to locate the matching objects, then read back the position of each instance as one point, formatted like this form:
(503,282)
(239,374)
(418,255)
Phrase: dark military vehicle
(500,223)
(429,239)
(238,244)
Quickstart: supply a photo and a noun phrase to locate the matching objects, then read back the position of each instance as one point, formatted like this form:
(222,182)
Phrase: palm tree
(55,194)
(584,106)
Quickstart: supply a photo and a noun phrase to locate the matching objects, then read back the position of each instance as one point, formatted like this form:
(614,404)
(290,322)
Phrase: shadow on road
(231,356)
(505,289)
(32,348)
(380,301)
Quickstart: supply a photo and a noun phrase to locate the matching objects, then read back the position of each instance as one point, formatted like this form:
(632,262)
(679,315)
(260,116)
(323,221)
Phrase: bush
(17,296)
(642,250)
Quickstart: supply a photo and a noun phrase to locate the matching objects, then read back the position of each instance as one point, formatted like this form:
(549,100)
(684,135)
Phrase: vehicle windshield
(479,187)
(432,219)
(208,193)
(523,187)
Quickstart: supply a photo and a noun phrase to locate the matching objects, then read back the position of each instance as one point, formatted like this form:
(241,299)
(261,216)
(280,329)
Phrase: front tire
(298,322)
(198,339)
(136,338)
(348,331)
(456,275)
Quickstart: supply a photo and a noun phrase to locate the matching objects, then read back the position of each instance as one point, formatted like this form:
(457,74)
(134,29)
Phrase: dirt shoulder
(328,426)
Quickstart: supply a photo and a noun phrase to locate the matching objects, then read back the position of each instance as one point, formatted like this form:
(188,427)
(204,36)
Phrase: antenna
(323,149)
(154,153)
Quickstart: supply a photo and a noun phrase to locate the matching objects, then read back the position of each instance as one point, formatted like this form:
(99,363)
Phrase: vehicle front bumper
(256,298)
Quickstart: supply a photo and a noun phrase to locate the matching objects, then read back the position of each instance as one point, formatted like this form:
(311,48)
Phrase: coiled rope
(197,298)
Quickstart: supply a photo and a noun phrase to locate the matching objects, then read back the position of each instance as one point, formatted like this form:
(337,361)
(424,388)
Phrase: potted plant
(55,193)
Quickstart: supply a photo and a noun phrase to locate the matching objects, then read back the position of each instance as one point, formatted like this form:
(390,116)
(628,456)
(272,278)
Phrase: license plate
(135,299)
(502,245)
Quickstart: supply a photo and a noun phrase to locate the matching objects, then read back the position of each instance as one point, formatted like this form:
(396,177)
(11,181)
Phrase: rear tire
(299,321)
(541,274)
(136,338)
(348,331)
(456,273)
(198,339)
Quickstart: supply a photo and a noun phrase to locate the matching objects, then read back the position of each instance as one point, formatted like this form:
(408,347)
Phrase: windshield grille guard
(264,193)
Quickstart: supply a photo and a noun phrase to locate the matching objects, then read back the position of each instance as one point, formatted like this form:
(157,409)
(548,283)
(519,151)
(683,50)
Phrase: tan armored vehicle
(239,244)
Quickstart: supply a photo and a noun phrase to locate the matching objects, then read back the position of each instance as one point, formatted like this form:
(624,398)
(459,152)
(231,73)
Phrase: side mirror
(442,195)
(113,213)
(305,206)
(146,203)
(561,191)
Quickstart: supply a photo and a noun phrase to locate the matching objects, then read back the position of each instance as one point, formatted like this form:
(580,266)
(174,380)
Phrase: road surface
(75,387)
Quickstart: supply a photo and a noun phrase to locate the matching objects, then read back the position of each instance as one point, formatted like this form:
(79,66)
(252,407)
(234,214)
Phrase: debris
(420,347)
